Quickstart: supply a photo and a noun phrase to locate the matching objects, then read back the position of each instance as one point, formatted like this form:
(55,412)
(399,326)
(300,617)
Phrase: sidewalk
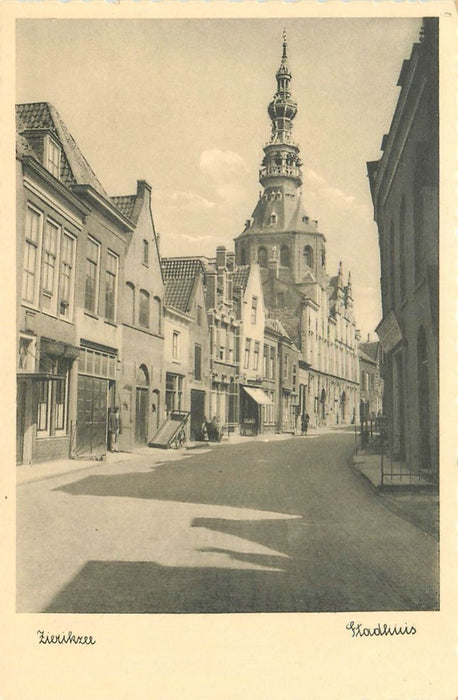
(47,470)
(417,502)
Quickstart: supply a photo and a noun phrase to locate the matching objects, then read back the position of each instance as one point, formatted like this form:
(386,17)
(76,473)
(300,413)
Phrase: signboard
(389,332)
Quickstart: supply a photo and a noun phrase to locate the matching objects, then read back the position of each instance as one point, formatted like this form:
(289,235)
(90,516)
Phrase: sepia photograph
(227,309)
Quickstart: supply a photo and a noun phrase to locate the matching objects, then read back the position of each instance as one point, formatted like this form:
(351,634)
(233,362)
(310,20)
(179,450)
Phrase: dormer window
(52,157)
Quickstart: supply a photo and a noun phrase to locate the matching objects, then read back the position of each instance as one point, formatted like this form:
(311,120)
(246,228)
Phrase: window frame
(175,345)
(71,278)
(51,165)
(36,245)
(112,278)
(96,266)
(144,308)
(254,309)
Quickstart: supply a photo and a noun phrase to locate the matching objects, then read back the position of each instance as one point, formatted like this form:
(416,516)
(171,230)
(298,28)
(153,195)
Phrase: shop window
(52,397)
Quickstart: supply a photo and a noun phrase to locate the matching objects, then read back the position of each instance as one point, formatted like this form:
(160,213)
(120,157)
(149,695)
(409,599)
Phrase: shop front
(254,408)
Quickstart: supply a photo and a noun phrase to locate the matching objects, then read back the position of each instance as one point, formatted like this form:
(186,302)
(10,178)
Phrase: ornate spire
(281,153)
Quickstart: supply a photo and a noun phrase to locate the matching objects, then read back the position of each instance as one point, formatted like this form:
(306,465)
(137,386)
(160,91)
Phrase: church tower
(279,225)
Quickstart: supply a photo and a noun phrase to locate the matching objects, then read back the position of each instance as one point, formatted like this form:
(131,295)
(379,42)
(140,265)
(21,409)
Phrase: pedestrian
(305,423)
(114,429)
(203,430)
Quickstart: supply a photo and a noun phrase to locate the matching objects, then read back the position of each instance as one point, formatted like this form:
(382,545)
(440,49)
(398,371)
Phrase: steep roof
(182,268)
(370,349)
(126,204)
(178,293)
(39,116)
(241,275)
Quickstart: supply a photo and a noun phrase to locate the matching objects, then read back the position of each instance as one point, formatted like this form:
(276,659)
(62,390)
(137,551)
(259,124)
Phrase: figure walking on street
(305,423)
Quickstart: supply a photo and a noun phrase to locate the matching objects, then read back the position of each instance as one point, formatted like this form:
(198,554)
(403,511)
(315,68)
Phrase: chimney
(143,189)
(221,256)
(211,289)
(230,261)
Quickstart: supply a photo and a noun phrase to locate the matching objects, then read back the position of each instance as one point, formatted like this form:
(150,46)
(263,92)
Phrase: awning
(258,395)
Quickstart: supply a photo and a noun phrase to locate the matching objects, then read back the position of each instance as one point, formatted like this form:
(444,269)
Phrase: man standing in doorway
(114,428)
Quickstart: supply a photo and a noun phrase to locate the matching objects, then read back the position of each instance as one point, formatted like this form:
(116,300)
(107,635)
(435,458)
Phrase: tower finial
(284,43)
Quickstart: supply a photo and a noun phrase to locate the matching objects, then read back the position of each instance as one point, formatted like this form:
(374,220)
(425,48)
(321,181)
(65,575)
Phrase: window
(92,272)
(281,299)
(175,345)
(246,363)
(285,367)
(262,257)
(53,157)
(157,315)
(254,309)
(272,363)
(52,397)
(67,269)
(95,363)
(273,218)
(264,361)
(242,256)
(294,376)
(308,255)
(33,225)
(111,275)
(199,315)
(173,392)
(222,351)
(49,266)
(256,356)
(26,353)
(198,362)
(130,303)
(143,309)
(145,252)
(284,256)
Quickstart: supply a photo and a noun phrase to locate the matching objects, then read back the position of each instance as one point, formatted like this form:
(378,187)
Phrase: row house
(72,247)
(404,185)
(187,342)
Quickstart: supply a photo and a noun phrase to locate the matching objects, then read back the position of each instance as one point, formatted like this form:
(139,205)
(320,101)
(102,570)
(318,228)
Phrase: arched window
(130,303)
(262,257)
(143,309)
(142,376)
(402,245)
(157,315)
(284,256)
(308,255)
(273,218)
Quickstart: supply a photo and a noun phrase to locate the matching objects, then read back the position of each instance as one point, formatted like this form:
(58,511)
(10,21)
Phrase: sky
(182,103)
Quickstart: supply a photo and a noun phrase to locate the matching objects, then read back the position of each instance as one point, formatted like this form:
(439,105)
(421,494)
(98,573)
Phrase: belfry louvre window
(92,275)
(111,280)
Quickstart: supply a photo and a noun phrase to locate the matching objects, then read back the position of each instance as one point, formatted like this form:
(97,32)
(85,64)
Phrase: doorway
(141,405)
(197,413)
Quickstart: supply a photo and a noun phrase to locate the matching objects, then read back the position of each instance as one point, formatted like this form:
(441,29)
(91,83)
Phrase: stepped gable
(42,116)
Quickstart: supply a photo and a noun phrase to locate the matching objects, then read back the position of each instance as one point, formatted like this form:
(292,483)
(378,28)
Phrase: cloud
(225,172)
(180,199)
(312,178)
